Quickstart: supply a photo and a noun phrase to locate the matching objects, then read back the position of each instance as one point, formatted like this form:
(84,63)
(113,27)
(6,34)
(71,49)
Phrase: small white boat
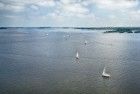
(65,37)
(104,74)
(77,55)
(68,35)
(85,42)
(47,34)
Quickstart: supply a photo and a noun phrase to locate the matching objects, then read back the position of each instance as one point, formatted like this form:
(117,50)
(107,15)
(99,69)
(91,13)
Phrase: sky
(69,13)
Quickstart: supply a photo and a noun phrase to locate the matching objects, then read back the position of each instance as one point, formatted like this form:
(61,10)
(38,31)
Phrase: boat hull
(106,75)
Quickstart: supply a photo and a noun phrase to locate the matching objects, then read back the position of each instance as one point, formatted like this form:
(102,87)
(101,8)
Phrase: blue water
(33,63)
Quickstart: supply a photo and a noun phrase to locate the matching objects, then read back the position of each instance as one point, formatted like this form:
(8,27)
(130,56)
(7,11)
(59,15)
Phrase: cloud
(70,1)
(11,7)
(116,4)
(92,12)
(34,7)
(1,5)
(19,6)
(74,9)
(46,3)
(14,8)
(71,8)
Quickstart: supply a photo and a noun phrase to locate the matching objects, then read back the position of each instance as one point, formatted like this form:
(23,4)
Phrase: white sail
(104,74)
(85,42)
(77,55)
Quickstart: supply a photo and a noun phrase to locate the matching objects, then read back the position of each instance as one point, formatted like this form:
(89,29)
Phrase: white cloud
(107,12)
(11,7)
(75,8)
(115,4)
(34,7)
(18,6)
(69,1)
(14,8)
(69,8)
(46,3)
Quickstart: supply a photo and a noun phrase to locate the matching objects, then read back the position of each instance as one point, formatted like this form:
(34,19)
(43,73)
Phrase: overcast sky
(93,13)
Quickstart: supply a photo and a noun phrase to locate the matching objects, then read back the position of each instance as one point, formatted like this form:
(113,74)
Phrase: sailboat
(85,42)
(104,74)
(77,55)
(68,35)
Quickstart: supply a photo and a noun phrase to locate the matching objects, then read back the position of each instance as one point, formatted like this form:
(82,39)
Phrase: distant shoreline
(123,30)
(108,29)
(92,28)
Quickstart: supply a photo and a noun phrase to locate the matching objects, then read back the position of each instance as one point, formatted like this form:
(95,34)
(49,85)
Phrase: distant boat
(104,74)
(68,35)
(47,34)
(85,42)
(77,55)
(64,36)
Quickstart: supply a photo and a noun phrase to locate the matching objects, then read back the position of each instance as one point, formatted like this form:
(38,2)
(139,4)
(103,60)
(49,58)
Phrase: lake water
(33,63)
